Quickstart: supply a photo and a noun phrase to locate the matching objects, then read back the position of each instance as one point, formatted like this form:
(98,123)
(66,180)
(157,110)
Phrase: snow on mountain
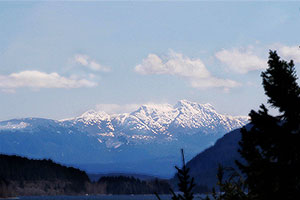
(149,123)
(151,119)
(158,118)
(203,116)
(150,136)
(13,126)
(91,117)
(154,122)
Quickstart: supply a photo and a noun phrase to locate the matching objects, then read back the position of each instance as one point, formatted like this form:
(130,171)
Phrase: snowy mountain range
(151,135)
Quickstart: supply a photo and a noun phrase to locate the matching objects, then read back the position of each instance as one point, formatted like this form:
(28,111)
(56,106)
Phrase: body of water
(104,197)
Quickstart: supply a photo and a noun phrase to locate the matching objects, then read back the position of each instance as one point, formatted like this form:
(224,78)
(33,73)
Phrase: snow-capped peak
(209,106)
(94,116)
(149,109)
(149,123)
(152,120)
(192,105)
(182,103)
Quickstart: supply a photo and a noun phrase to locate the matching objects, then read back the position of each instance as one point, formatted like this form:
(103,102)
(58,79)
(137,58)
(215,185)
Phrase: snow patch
(11,125)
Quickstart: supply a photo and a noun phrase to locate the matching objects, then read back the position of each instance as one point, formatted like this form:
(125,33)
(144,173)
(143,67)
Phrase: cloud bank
(179,65)
(244,60)
(241,61)
(289,52)
(37,80)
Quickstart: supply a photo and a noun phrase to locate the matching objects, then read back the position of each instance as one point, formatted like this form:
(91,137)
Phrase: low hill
(143,177)
(130,185)
(203,167)
(23,176)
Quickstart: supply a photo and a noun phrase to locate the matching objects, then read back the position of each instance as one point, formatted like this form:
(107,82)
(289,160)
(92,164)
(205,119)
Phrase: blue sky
(59,59)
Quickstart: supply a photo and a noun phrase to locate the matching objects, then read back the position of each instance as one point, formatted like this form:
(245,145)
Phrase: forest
(21,176)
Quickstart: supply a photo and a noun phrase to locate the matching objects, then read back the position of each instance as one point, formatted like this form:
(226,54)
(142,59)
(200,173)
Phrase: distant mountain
(203,167)
(98,142)
(152,122)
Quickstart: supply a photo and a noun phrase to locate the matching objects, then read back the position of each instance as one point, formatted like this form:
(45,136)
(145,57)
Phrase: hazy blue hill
(203,167)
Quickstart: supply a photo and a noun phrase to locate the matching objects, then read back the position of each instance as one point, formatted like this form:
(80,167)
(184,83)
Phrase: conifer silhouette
(233,188)
(271,148)
(185,185)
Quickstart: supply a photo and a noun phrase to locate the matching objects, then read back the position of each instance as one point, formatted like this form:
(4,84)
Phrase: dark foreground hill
(131,185)
(203,167)
(143,177)
(22,176)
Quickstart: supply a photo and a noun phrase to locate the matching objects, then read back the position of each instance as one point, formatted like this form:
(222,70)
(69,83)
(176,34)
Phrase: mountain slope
(158,123)
(98,142)
(203,167)
(21,176)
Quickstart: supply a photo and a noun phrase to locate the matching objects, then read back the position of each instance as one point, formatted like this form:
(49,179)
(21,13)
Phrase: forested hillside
(131,185)
(22,176)
(204,166)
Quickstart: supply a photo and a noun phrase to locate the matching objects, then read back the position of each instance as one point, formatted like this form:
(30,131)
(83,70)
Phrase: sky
(60,59)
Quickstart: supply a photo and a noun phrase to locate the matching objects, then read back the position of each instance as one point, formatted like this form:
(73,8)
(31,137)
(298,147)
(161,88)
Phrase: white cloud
(86,61)
(37,79)
(117,108)
(289,52)
(241,60)
(176,64)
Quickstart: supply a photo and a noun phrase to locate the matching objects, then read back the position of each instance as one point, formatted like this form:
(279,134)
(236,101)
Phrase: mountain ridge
(147,135)
(160,119)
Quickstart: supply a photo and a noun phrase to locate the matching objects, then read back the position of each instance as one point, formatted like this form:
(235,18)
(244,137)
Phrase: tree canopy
(271,148)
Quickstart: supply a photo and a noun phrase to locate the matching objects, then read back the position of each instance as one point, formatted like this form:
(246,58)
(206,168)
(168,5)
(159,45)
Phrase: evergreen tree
(271,148)
(233,188)
(185,185)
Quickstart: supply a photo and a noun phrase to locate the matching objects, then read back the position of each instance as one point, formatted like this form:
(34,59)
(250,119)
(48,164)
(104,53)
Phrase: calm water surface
(102,197)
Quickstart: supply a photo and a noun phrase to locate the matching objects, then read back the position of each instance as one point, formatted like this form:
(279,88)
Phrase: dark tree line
(131,185)
(16,168)
(23,176)
(19,172)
